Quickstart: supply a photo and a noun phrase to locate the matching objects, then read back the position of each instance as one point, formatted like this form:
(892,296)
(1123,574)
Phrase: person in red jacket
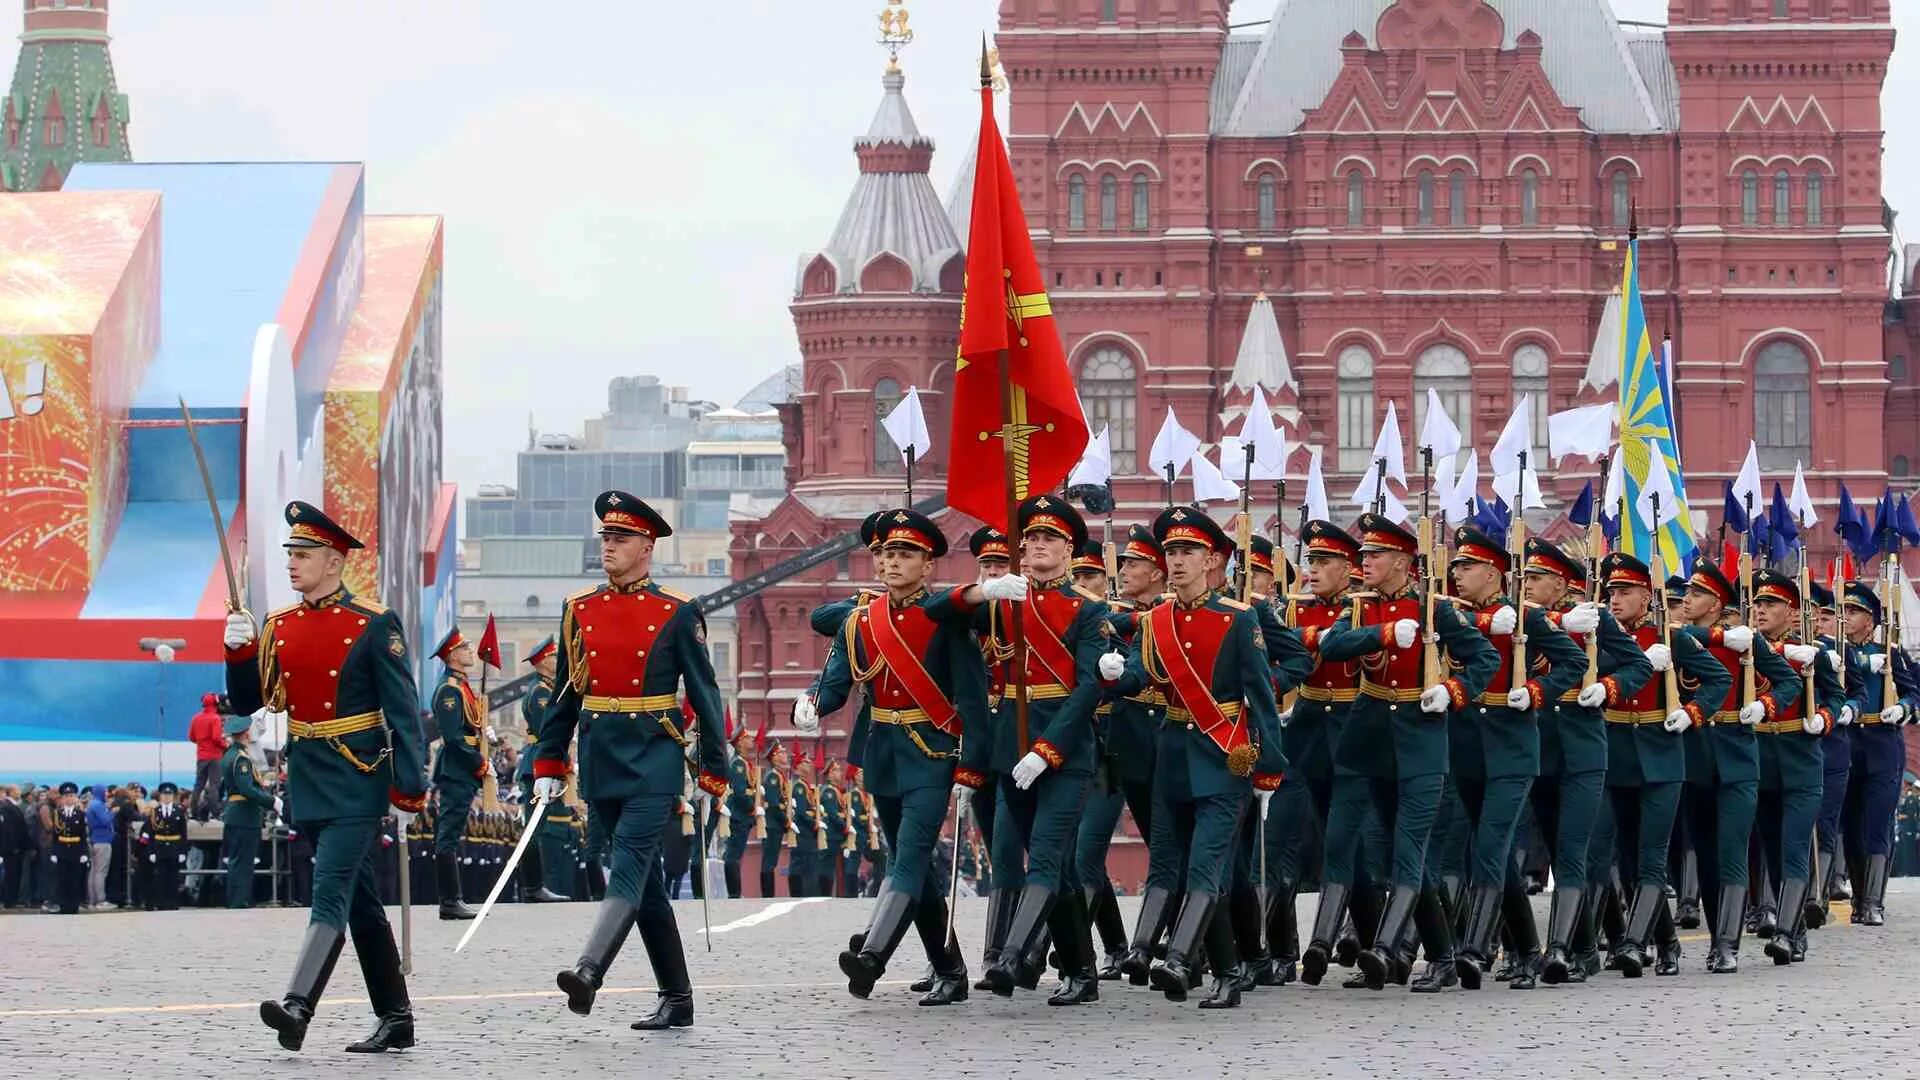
(209,744)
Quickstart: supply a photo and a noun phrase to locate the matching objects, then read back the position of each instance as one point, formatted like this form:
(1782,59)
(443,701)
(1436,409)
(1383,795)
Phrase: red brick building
(1428,193)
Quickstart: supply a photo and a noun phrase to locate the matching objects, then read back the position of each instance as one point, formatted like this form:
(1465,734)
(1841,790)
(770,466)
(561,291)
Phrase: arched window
(1266,200)
(1076,202)
(1108,393)
(1356,199)
(1457,198)
(1424,208)
(1530,364)
(1529,197)
(1355,372)
(1446,370)
(1782,406)
(1622,194)
(1816,198)
(533,604)
(1782,198)
(1109,201)
(1901,466)
(1897,369)
(886,456)
(1139,202)
(1749,198)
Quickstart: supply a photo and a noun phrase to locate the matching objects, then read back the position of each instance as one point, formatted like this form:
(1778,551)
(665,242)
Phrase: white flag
(1442,484)
(1504,485)
(907,426)
(1174,446)
(1096,464)
(1585,431)
(1656,505)
(1616,485)
(1603,365)
(1515,439)
(1316,489)
(1269,446)
(1746,486)
(1387,446)
(1458,504)
(1800,502)
(1370,488)
(1437,431)
(1208,483)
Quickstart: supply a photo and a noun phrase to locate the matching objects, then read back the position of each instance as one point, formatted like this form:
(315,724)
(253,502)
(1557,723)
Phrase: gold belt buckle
(616,705)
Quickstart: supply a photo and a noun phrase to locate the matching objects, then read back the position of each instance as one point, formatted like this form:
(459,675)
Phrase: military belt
(1778,727)
(1621,716)
(236,798)
(1035,692)
(335,728)
(632,706)
(1329,693)
(1495,698)
(69,839)
(1388,693)
(167,838)
(1184,718)
(1148,697)
(899,716)
(1869,718)
(1725,716)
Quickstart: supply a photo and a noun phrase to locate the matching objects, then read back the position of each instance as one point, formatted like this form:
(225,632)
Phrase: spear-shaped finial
(1633,221)
(986,65)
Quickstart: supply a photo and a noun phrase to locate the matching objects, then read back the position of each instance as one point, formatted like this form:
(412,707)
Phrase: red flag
(760,735)
(1007,310)
(490,645)
(820,757)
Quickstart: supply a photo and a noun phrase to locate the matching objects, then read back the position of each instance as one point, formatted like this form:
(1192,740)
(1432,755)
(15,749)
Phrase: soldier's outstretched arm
(1620,659)
(1072,723)
(1290,661)
(450,717)
(1787,684)
(563,712)
(243,675)
(1474,660)
(703,694)
(1341,641)
(832,686)
(399,701)
(1712,684)
(1256,687)
(1566,660)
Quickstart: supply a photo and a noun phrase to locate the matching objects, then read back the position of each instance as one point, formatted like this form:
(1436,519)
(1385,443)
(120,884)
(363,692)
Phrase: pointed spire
(1262,360)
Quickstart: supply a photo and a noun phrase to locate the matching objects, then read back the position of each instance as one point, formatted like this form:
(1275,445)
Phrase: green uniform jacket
(739,793)
(533,709)
(1722,752)
(1319,715)
(1289,658)
(1647,753)
(1573,737)
(246,801)
(1489,739)
(323,780)
(773,797)
(1059,728)
(834,811)
(1135,719)
(1392,738)
(806,816)
(459,765)
(1794,759)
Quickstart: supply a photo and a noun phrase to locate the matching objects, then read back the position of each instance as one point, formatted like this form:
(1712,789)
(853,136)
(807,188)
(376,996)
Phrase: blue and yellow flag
(1645,415)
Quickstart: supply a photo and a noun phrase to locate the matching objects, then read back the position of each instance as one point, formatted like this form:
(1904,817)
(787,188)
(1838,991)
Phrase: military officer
(1104,800)
(776,816)
(1495,741)
(459,717)
(627,648)
(1722,757)
(1791,754)
(836,830)
(1836,761)
(71,854)
(745,817)
(809,830)
(246,804)
(912,651)
(549,846)
(337,665)
(1878,749)
(1220,745)
(1396,731)
(993,556)
(166,836)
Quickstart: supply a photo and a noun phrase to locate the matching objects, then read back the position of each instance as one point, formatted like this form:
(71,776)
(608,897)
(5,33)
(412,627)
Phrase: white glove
(1594,696)
(1028,769)
(1877,663)
(962,792)
(1677,721)
(55,858)
(1812,724)
(1660,656)
(702,799)
(1802,654)
(1894,714)
(1738,638)
(1834,661)
(1404,632)
(1112,666)
(278,808)
(1005,587)
(239,629)
(1847,715)
(1752,714)
(153,858)
(1435,699)
(1286,717)
(806,714)
(492,735)
(550,788)
(760,812)
(1504,620)
(1519,698)
(1582,619)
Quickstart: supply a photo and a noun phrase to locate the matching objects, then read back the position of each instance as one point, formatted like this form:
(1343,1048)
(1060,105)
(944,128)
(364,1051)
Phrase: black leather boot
(447,871)
(1793,895)
(1723,956)
(1283,939)
(1613,916)
(1563,920)
(1073,935)
(1104,909)
(1247,924)
(1155,910)
(1436,933)
(1023,935)
(386,991)
(1870,894)
(674,1008)
(1845,873)
(947,983)
(582,981)
(319,949)
(1666,940)
(1376,961)
(1584,950)
(1763,916)
(1326,929)
(1364,906)
(1229,974)
(731,871)
(1034,962)
(533,879)
(1174,975)
(1000,905)
(1631,956)
(1813,909)
(863,966)
(1523,937)
(1483,911)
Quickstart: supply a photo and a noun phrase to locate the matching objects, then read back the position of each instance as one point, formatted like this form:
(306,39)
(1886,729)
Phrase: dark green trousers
(346,883)
(1566,808)
(1720,819)
(1193,841)
(450,824)
(911,823)
(1643,827)
(1097,822)
(1038,825)
(1492,807)
(1792,776)
(240,845)
(1407,808)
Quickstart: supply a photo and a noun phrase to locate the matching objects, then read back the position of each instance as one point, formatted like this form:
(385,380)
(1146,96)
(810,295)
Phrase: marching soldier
(1878,749)
(1495,745)
(993,556)
(626,649)
(1836,762)
(71,853)
(1396,732)
(166,836)
(337,666)
(1102,813)
(912,652)
(1722,758)
(246,805)
(835,811)
(803,860)
(550,845)
(1791,755)
(459,772)
(776,817)
(746,818)
(1219,746)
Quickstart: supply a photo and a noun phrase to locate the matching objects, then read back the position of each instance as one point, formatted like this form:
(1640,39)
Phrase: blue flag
(1884,538)
(1646,417)
(1581,513)
(1851,524)
(1732,514)
(1904,524)
(1783,533)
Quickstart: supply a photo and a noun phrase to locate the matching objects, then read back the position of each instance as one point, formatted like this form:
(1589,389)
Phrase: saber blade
(506,872)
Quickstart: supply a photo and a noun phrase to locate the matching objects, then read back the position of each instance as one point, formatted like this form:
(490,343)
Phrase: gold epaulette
(369,607)
(277,612)
(1235,604)
(672,594)
(584,593)
(1124,607)
(1089,594)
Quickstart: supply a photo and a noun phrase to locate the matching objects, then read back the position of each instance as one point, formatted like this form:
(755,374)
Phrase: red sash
(907,668)
(1194,692)
(1047,648)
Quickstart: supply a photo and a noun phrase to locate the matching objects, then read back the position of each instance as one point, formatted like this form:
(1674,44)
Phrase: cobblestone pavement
(176,994)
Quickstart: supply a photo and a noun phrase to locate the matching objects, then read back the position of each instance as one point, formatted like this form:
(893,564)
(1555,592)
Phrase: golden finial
(894,32)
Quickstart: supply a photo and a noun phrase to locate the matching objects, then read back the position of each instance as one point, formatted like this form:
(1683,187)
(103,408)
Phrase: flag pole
(1246,538)
(910,460)
(1169,483)
(1379,486)
(1019,660)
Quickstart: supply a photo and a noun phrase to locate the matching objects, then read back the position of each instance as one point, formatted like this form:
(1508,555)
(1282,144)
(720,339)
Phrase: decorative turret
(64,106)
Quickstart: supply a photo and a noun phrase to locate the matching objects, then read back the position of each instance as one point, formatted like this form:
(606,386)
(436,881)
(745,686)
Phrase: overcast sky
(627,186)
